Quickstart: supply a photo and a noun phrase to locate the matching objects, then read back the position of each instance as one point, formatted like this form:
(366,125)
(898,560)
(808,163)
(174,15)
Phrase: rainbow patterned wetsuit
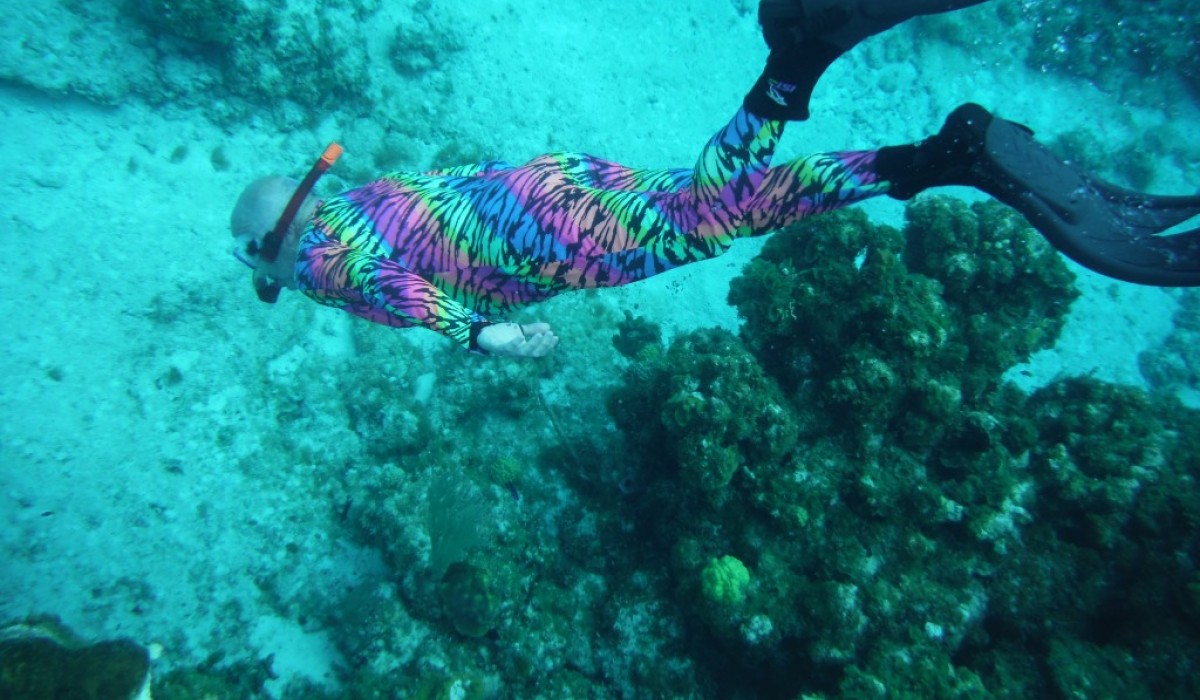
(447,249)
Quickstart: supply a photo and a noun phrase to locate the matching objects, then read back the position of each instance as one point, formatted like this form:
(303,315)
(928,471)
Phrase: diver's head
(269,219)
(254,217)
(256,213)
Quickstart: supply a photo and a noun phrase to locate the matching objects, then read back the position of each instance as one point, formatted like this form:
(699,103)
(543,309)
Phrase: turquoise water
(900,486)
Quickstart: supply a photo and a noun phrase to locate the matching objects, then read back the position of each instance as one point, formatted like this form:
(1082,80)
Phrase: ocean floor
(169,445)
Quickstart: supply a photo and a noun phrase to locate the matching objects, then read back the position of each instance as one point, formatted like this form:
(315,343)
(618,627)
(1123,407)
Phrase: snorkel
(264,285)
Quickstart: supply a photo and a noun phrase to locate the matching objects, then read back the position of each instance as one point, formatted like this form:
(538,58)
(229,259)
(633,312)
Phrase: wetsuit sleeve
(413,299)
(383,291)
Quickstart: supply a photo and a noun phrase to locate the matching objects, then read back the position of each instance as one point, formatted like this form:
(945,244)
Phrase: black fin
(1101,226)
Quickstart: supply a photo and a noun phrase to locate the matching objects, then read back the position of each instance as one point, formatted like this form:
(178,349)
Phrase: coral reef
(933,522)
(289,64)
(505,471)
(41,659)
(469,599)
(544,604)
(887,350)
(206,21)
(635,334)
(724,581)
(846,500)
(1175,363)
(216,678)
(1121,44)
(716,409)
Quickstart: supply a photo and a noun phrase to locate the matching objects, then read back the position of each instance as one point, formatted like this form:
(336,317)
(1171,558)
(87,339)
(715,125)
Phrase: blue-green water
(760,476)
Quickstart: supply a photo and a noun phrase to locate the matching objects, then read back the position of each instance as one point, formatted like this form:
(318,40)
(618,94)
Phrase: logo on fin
(779,91)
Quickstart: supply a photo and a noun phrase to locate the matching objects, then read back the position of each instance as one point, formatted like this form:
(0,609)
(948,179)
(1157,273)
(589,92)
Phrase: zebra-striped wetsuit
(445,250)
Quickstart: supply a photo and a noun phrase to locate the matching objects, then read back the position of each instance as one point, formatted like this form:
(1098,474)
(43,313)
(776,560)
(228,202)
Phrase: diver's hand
(516,340)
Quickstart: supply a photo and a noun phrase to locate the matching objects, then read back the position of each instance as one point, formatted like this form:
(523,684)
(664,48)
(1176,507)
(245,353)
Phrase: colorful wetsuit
(446,250)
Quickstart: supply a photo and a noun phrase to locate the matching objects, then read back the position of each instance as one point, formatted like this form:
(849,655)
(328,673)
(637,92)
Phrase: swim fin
(1106,228)
(807,36)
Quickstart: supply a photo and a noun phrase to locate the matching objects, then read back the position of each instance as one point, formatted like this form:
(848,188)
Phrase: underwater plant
(454,514)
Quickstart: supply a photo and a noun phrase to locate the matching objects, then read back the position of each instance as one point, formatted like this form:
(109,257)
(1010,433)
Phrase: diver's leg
(709,211)
(813,185)
(807,36)
(734,192)
(942,159)
(587,236)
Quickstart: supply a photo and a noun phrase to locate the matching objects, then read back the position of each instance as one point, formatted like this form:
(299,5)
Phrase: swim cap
(260,205)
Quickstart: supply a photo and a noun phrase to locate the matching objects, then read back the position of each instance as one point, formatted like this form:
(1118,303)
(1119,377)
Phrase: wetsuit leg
(733,192)
(737,194)
(573,206)
(814,185)
(585,223)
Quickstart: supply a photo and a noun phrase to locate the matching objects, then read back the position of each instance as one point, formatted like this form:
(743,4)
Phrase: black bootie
(807,36)
(946,158)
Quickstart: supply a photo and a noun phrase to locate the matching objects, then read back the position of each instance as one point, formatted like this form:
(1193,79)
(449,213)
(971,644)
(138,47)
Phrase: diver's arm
(383,291)
(414,299)
(411,298)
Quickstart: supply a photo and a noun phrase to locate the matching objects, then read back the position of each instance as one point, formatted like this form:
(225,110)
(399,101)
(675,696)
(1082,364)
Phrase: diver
(450,250)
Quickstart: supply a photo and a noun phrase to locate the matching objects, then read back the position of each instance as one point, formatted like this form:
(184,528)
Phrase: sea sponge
(469,599)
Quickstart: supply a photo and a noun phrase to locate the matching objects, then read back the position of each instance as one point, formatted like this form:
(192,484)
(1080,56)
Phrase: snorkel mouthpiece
(267,288)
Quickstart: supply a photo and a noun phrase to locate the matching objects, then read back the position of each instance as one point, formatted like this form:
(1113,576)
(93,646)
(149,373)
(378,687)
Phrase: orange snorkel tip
(332,152)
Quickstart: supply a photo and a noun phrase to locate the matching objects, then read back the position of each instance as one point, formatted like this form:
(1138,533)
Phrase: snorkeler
(447,250)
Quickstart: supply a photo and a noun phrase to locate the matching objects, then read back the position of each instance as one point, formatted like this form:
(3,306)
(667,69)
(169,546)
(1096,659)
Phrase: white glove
(515,340)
